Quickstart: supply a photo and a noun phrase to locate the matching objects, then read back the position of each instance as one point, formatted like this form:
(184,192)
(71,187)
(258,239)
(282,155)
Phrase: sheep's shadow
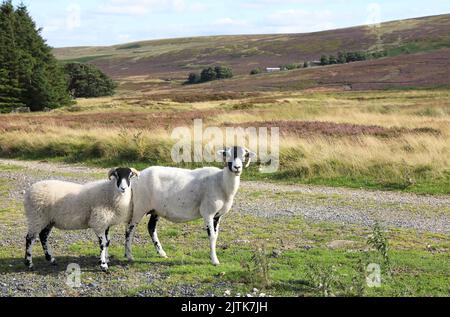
(86,264)
(42,267)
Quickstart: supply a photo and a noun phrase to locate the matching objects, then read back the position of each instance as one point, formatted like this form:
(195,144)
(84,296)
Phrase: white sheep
(181,195)
(69,206)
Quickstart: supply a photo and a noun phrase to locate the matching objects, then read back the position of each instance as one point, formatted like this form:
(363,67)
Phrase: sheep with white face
(181,195)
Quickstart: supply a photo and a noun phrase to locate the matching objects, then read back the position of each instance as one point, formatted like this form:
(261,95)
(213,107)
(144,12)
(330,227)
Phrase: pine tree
(43,79)
(9,63)
(30,74)
(87,81)
(208,74)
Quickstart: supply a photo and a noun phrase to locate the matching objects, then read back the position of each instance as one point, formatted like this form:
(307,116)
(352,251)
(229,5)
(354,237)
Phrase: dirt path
(346,206)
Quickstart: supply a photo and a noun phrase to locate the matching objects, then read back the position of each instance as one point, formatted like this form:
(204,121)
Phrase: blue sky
(106,22)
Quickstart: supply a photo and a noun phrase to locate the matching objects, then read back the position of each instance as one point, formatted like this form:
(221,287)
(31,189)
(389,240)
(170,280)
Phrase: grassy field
(381,139)
(280,256)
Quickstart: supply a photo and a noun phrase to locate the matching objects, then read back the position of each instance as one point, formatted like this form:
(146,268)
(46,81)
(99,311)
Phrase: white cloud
(143,7)
(229,22)
(123,38)
(69,22)
(53,25)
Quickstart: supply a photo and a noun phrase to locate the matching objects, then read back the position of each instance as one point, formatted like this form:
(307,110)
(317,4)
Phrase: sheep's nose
(237,168)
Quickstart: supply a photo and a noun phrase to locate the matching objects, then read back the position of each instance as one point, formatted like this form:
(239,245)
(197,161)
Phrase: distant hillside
(427,69)
(173,58)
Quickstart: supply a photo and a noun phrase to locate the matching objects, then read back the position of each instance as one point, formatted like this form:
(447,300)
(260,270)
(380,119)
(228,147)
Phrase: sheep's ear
(134,173)
(251,156)
(223,153)
(112,173)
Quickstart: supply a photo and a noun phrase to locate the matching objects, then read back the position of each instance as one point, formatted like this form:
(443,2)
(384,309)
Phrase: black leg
(29,240)
(216,223)
(154,235)
(108,241)
(152,225)
(128,240)
(43,236)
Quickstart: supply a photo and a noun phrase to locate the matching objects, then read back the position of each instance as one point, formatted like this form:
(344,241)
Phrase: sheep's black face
(123,176)
(237,158)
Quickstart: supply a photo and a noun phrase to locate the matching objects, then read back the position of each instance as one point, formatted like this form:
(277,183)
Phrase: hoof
(53,262)
(163,255)
(104,267)
(216,263)
(28,264)
(130,259)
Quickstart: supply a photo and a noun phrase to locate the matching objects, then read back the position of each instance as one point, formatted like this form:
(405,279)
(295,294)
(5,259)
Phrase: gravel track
(315,203)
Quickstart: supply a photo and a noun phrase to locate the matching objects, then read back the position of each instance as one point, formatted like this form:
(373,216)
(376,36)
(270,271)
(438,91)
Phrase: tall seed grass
(418,162)
(407,162)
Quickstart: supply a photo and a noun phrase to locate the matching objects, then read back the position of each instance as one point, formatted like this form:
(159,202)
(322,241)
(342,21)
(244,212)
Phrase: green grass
(10,168)
(434,185)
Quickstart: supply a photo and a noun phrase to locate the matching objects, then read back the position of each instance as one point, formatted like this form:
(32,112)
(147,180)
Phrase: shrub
(208,74)
(223,72)
(341,58)
(379,241)
(193,78)
(290,66)
(258,268)
(324,60)
(355,56)
(378,54)
(332,60)
(256,71)
(87,81)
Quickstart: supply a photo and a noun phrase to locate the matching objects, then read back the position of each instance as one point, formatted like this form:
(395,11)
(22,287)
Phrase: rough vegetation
(395,140)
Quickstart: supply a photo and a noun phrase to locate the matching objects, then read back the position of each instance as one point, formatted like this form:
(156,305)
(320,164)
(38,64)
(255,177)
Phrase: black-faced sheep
(69,206)
(181,195)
